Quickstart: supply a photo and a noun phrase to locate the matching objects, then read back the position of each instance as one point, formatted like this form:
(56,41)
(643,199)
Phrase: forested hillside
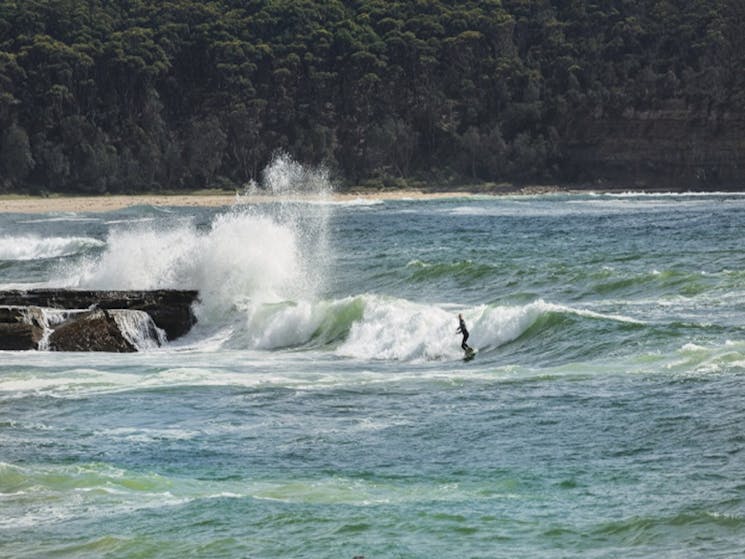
(128,95)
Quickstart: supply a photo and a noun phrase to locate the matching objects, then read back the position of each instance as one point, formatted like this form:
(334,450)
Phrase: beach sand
(14,203)
(64,204)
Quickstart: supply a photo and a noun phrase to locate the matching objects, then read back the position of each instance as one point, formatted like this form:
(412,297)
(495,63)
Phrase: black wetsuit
(463,330)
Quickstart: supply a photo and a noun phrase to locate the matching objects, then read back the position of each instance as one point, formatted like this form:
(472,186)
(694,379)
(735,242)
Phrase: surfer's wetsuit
(463,330)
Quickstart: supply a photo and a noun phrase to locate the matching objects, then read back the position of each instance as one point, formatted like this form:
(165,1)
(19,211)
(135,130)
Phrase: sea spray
(136,257)
(300,197)
(248,260)
(276,293)
(243,260)
(285,177)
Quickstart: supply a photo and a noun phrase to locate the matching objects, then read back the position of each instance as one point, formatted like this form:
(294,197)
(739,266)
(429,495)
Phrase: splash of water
(299,201)
(284,177)
(252,255)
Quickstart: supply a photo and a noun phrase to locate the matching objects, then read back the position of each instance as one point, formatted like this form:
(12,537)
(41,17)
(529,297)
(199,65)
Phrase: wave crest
(33,247)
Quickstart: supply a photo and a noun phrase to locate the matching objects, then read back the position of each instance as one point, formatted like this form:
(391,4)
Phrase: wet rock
(170,309)
(90,331)
(18,330)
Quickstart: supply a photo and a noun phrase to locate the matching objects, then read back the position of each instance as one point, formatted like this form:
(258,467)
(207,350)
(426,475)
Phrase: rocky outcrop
(18,330)
(70,320)
(170,309)
(90,331)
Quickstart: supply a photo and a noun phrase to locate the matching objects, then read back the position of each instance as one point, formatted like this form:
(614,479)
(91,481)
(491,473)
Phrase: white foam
(396,329)
(592,314)
(147,435)
(138,328)
(242,257)
(286,177)
(689,194)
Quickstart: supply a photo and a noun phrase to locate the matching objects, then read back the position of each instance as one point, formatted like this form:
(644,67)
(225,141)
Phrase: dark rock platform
(18,329)
(90,331)
(78,320)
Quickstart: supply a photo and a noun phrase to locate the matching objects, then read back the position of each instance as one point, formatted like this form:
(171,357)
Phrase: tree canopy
(125,95)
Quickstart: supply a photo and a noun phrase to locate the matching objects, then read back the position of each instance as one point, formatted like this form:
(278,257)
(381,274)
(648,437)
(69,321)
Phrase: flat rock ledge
(77,320)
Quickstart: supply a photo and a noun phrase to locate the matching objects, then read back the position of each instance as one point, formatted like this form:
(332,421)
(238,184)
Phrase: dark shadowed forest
(141,95)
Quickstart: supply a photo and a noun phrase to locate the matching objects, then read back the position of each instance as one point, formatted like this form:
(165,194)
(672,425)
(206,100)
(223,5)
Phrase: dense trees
(121,95)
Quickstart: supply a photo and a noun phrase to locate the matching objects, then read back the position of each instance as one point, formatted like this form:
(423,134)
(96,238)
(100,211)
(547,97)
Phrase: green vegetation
(127,95)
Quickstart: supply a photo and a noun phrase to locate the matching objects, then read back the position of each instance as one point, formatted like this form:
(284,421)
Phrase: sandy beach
(16,203)
(62,204)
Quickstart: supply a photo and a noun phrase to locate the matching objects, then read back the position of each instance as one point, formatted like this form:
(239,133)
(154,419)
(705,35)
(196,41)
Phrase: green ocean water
(322,407)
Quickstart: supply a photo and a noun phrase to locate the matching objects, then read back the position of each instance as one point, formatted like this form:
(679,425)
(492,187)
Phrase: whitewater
(321,406)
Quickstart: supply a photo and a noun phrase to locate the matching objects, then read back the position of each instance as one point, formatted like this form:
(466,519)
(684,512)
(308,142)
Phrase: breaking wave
(402,330)
(34,247)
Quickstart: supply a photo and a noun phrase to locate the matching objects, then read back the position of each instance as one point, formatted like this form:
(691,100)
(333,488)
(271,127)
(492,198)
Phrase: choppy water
(322,408)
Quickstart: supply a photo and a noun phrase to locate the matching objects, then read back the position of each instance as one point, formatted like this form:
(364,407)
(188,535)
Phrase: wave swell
(33,247)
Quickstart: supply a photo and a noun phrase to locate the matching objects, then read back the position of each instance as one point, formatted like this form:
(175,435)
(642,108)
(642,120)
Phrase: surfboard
(470,354)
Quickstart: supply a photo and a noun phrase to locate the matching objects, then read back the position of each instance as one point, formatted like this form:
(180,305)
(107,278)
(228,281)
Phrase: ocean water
(321,407)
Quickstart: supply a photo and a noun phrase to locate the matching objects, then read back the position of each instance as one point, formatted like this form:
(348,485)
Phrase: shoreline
(19,203)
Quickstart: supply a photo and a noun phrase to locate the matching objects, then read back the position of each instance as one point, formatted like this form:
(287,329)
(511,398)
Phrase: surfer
(463,330)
